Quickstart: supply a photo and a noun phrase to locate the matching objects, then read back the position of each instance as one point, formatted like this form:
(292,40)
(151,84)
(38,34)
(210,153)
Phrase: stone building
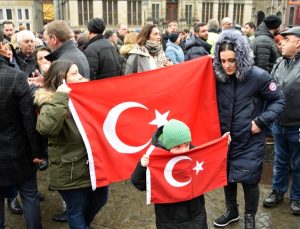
(136,13)
(23,12)
(293,13)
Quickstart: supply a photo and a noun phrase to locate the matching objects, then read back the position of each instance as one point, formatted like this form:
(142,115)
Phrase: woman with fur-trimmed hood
(248,101)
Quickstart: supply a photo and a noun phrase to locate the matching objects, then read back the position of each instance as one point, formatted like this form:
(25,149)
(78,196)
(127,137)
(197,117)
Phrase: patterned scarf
(153,47)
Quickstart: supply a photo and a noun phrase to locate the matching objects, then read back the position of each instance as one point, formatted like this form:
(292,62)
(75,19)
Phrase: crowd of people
(257,76)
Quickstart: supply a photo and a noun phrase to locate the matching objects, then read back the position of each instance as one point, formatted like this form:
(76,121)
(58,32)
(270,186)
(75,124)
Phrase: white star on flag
(198,167)
(160,119)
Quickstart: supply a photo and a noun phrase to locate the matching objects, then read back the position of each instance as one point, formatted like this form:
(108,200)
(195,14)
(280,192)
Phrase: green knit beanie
(175,133)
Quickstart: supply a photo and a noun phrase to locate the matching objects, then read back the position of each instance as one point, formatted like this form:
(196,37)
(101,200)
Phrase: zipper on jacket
(72,167)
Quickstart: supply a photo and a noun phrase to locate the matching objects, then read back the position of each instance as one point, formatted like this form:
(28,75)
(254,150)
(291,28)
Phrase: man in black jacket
(286,129)
(19,144)
(103,58)
(263,46)
(58,36)
(197,46)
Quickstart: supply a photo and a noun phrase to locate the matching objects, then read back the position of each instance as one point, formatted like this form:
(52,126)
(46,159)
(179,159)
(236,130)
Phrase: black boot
(231,215)
(61,217)
(14,206)
(249,221)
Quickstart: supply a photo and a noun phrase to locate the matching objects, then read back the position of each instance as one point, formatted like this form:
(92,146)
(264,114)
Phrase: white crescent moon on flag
(169,170)
(109,128)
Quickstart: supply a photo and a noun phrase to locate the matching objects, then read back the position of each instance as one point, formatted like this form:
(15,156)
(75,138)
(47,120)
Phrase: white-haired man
(26,42)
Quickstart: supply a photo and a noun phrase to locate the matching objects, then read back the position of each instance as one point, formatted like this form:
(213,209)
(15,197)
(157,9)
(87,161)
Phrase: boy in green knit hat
(175,136)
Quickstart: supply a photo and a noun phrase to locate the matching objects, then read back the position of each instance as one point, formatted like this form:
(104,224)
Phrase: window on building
(238,13)
(291,16)
(134,12)
(28,26)
(8,14)
(20,14)
(85,11)
(110,12)
(1,14)
(155,12)
(188,14)
(207,12)
(27,14)
(223,10)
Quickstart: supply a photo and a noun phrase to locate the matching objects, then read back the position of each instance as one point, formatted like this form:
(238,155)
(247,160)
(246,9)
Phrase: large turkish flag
(117,116)
(179,177)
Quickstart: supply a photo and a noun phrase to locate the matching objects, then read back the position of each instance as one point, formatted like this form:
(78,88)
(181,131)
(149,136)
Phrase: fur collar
(244,55)
(43,96)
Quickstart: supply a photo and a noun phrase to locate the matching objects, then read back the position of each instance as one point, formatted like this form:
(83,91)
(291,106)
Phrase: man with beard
(264,48)
(8,30)
(197,46)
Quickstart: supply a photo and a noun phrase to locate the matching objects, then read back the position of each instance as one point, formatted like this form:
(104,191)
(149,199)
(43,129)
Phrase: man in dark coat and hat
(103,58)
(263,46)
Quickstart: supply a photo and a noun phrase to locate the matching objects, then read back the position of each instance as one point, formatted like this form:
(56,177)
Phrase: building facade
(136,13)
(293,13)
(22,12)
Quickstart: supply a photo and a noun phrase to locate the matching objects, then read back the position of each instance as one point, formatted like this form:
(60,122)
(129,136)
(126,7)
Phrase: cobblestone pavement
(127,209)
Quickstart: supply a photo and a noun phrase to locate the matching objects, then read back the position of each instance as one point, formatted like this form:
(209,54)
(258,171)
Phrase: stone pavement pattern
(126,209)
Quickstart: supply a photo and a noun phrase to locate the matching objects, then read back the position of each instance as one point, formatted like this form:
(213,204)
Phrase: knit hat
(272,21)
(173,37)
(96,25)
(175,133)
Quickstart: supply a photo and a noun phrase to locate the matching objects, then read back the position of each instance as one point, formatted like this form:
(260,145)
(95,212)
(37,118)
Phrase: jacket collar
(60,50)
(92,40)
(4,60)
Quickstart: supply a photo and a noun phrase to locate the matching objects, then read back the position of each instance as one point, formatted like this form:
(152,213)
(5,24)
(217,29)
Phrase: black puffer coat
(103,58)
(190,214)
(249,95)
(196,47)
(264,48)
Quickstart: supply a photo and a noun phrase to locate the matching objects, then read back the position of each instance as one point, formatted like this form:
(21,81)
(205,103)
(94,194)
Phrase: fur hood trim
(125,49)
(244,55)
(42,96)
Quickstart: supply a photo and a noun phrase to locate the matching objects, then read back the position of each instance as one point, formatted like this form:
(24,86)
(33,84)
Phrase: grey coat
(138,60)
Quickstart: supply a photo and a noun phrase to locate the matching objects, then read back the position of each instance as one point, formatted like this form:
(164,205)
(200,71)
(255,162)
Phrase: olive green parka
(68,161)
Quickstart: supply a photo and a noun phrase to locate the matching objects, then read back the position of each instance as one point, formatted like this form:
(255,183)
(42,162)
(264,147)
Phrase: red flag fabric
(117,116)
(179,177)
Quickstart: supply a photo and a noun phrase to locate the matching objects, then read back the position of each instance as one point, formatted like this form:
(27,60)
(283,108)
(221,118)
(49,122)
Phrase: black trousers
(251,196)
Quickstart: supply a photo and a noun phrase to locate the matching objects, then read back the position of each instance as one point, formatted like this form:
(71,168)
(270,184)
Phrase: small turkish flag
(117,116)
(179,177)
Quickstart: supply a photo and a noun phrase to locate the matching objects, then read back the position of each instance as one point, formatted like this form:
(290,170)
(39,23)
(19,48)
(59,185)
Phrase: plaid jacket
(19,142)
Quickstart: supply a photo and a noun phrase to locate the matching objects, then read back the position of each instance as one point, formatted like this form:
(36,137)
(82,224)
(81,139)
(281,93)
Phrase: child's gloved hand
(145,160)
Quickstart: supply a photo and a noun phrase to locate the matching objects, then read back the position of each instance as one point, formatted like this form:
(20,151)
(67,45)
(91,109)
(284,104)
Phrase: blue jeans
(31,204)
(287,152)
(83,205)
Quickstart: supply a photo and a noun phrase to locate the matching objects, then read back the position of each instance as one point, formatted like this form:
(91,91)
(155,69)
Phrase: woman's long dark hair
(144,34)
(56,73)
